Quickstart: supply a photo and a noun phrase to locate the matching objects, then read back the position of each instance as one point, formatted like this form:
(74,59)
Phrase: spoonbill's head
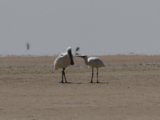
(69,48)
(69,51)
(82,56)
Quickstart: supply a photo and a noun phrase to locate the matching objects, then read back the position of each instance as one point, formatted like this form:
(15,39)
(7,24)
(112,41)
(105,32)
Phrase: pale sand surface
(129,90)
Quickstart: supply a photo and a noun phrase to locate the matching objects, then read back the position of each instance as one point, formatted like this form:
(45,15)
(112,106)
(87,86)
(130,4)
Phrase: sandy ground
(129,90)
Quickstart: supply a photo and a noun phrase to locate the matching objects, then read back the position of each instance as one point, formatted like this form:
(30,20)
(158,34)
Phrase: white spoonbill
(93,62)
(63,61)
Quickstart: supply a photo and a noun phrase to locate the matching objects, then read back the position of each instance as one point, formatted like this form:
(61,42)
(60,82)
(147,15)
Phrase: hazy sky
(97,26)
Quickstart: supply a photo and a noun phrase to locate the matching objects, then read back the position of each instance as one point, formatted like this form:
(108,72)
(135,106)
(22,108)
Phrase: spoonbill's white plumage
(63,61)
(93,62)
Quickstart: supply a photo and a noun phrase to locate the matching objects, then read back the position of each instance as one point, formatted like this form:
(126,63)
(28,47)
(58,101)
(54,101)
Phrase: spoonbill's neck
(85,60)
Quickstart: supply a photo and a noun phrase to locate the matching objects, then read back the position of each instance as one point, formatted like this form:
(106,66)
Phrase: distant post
(27,46)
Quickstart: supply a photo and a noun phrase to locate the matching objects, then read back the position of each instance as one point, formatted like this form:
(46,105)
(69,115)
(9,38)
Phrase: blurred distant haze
(99,27)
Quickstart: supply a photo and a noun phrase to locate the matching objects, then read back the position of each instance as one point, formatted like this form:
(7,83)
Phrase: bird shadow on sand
(71,83)
(101,83)
(80,83)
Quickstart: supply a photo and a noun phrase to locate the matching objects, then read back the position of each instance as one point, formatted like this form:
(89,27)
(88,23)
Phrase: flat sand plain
(129,89)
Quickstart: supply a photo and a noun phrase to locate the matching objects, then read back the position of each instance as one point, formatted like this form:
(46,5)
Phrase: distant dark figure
(27,46)
(77,50)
